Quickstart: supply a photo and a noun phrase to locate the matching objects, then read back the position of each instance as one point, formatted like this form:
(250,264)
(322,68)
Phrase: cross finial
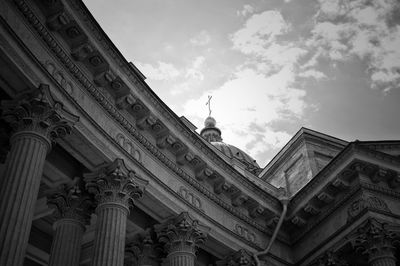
(209,105)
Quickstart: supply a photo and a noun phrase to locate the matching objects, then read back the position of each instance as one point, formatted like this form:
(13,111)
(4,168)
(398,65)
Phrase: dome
(213,135)
(210,122)
(234,152)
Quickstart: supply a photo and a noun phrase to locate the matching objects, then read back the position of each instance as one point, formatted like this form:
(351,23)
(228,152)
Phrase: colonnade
(110,191)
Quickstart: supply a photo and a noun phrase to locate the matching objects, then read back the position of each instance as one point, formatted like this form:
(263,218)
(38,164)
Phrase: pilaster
(181,237)
(115,189)
(37,120)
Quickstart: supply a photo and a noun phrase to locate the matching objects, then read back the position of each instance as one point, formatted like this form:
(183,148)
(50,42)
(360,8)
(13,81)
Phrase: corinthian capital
(38,112)
(181,233)
(241,257)
(375,239)
(114,183)
(329,258)
(142,251)
(71,202)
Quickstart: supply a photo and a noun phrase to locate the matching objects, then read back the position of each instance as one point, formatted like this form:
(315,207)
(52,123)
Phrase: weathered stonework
(331,186)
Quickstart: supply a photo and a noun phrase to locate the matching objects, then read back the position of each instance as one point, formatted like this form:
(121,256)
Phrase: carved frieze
(190,197)
(366,202)
(112,110)
(59,77)
(128,146)
(245,233)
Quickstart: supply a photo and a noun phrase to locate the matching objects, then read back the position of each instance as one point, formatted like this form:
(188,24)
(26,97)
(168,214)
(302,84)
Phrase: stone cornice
(331,209)
(145,91)
(377,154)
(301,136)
(343,186)
(321,176)
(126,124)
(351,149)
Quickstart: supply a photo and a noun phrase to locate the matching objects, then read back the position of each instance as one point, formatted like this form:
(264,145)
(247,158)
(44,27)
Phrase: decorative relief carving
(71,201)
(241,257)
(181,234)
(245,233)
(190,197)
(110,109)
(59,76)
(37,111)
(377,240)
(114,183)
(128,146)
(329,258)
(141,90)
(359,205)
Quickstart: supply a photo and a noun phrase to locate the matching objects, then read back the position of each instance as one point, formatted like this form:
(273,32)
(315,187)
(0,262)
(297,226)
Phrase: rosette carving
(114,183)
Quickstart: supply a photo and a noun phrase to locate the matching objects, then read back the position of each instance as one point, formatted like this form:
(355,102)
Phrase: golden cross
(209,105)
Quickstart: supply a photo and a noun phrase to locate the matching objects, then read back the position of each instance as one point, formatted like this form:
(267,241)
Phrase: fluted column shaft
(67,240)
(181,258)
(115,188)
(109,245)
(20,186)
(384,261)
(36,120)
(384,256)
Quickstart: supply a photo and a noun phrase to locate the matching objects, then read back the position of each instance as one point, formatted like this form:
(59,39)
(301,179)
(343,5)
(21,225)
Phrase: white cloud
(259,32)
(163,71)
(251,98)
(246,10)
(312,73)
(194,71)
(361,29)
(201,39)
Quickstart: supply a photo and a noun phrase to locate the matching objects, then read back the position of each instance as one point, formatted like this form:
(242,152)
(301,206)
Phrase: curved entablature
(139,101)
(160,134)
(185,172)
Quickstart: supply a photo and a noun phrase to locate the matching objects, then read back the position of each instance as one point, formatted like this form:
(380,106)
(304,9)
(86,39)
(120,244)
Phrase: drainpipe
(284,202)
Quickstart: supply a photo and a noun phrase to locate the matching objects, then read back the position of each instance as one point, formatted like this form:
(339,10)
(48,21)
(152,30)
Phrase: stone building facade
(96,170)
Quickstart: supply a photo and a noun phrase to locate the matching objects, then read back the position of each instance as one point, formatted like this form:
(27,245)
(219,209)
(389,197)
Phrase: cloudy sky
(271,66)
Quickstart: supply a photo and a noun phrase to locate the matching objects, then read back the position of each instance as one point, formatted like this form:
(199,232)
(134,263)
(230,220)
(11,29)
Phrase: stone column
(241,257)
(115,189)
(375,239)
(72,210)
(181,235)
(37,120)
